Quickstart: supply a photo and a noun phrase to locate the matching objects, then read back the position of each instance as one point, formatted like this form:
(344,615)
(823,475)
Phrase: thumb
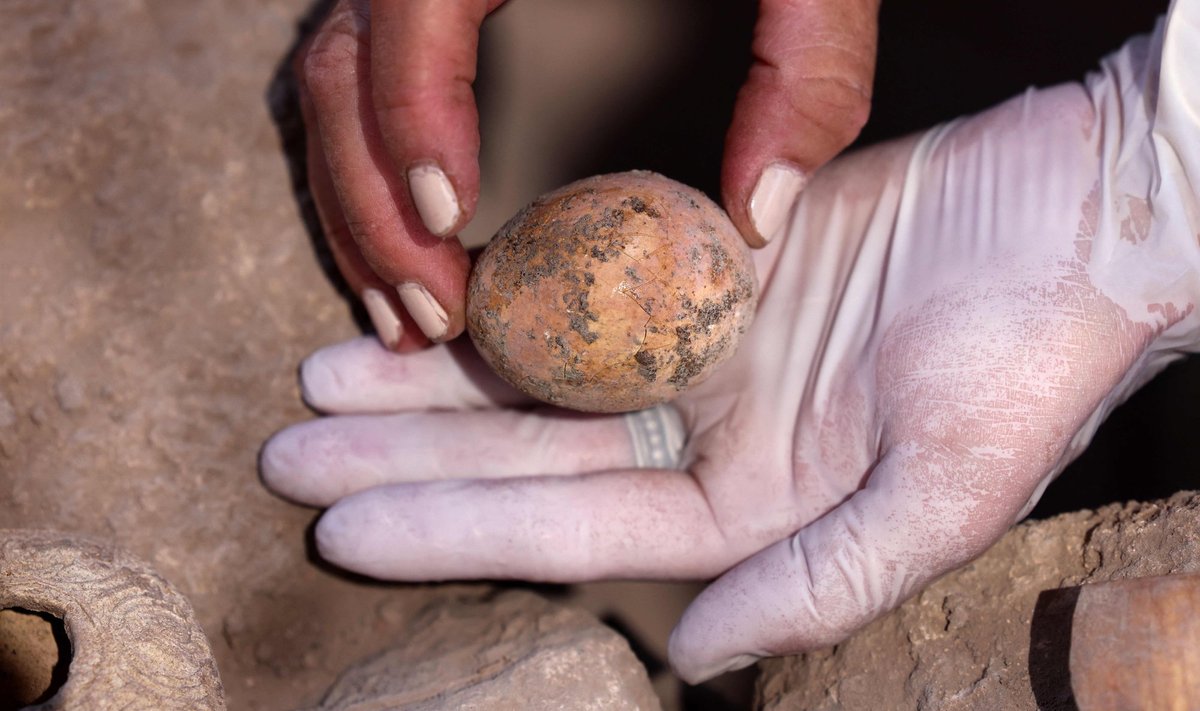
(806,97)
(910,525)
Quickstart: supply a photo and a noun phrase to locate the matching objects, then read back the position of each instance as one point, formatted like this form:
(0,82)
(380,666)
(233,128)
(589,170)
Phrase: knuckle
(856,111)
(404,102)
(326,67)
(837,105)
(330,59)
(364,229)
(373,239)
(392,100)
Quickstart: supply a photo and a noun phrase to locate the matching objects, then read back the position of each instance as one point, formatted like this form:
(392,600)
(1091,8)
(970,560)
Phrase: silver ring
(658,437)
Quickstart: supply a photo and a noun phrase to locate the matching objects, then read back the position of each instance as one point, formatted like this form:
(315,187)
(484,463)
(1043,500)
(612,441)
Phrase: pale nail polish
(434,198)
(424,309)
(387,324)
(773,197)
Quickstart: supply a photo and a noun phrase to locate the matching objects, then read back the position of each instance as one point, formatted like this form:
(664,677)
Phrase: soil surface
(157,289)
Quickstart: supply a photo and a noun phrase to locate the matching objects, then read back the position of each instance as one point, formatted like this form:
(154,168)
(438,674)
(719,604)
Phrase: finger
(359,376)
(423,65)
(429,274)
(919,517)
(623,524)
(806,97)
(393,326)
(321,461)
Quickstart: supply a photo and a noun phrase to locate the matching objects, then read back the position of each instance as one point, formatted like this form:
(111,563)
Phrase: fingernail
(773,197)
(434,197)
(387,324)
(424,309)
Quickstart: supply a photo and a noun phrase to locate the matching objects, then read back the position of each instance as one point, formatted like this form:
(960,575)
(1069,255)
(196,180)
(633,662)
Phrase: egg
(611,294)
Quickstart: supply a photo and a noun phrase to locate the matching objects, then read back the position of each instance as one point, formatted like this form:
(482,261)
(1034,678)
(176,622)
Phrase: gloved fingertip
(697,664)
(320,382)
(274,461)
(337,535)
(288,466)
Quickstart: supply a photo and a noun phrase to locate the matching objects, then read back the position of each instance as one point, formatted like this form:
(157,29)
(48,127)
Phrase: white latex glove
(946,322)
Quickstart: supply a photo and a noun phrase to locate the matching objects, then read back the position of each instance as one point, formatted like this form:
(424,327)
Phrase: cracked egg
(614,293)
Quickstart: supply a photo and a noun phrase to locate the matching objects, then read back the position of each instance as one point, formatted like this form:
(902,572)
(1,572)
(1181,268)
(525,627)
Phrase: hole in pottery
(34,655)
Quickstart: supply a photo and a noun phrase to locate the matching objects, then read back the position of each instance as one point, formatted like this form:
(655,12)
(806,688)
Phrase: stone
(70,394)
(995,633)
(516,651)
(134,641)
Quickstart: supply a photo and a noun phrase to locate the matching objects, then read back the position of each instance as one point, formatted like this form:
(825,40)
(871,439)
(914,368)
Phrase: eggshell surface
(613,293)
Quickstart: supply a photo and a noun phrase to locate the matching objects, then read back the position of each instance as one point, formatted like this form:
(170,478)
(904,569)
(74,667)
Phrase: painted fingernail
(434,197)
(388,326)
(424,309)
(773,197)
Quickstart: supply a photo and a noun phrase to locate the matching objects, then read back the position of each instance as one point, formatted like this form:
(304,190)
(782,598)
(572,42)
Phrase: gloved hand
(943,326)
(393,139)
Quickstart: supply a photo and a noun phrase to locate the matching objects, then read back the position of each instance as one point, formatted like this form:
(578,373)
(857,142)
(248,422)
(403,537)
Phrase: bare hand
(393,135)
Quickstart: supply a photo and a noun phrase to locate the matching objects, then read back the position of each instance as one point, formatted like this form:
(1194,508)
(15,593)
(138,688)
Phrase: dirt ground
(157,289)
(159,283)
